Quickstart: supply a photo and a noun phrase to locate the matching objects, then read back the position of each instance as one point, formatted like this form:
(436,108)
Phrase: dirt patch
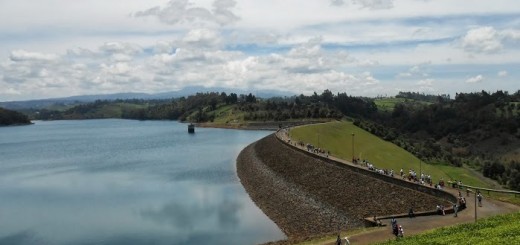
(306,196)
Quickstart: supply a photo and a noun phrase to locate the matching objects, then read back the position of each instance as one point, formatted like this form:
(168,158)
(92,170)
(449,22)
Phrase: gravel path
(306,196)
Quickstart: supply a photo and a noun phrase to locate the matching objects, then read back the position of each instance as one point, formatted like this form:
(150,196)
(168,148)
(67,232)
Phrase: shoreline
(255,125)
(247,125)
(308,197)
(16,124)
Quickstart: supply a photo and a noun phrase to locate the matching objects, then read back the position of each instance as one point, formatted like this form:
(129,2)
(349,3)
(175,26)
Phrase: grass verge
(501,229)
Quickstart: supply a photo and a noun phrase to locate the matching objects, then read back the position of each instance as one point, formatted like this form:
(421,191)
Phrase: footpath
(420,224)
(412,226)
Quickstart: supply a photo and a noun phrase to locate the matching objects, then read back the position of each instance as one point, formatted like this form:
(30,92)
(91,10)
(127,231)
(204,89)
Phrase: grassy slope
(228,114)
(337,138)
(387,104)
(502,229)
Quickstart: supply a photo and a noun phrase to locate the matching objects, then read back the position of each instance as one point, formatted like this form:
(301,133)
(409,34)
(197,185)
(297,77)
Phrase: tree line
(201,107)
(9,117)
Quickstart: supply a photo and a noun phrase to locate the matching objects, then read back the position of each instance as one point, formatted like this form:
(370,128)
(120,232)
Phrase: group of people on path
(397,229)
(339,241)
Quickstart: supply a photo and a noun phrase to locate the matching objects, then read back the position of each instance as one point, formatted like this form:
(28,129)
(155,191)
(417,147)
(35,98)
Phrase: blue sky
(55,48)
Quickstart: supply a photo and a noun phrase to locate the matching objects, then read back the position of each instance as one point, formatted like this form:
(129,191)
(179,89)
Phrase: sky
(59,48)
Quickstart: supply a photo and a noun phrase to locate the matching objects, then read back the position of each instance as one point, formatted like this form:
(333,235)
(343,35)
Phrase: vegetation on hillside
(336,137)
(481,130)
(9,117)
(501,229)
(476,129)
(208,107)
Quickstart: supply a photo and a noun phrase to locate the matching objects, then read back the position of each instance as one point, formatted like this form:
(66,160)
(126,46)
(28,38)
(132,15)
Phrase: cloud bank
(362,47)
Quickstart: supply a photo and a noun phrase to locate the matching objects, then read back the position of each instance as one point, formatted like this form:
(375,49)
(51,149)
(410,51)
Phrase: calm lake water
(126,182)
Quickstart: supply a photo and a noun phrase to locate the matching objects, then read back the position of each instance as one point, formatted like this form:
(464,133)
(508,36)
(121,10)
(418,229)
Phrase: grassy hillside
(103,110)
(502,229)
(337,138)
(388,104)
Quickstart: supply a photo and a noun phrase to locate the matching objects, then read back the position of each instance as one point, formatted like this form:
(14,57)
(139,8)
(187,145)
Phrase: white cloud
(502,74)
(489,40)
(367,63)
(202,38)
(250,44)
(184,12)
(10,91)
(483,39)
(337,2)
(222,11)
(119,68)
(426,82)
(511,35)
(418,70)
(120,48)
(375,4)
(475,79)
(23,55)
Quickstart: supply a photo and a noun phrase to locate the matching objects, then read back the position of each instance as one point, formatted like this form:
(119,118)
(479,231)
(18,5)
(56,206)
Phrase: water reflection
(21,238)
(125,182)
(183,216)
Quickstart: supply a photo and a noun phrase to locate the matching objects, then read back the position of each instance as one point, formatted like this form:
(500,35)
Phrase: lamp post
(475,205)
(420,168)
(353,155)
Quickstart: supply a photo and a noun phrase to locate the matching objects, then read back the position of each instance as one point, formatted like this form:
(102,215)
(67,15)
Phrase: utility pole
(475,205)
(420,168)
(353,155)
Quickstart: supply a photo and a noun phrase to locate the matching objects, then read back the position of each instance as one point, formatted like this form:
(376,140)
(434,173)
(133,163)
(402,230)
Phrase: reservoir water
(126,182)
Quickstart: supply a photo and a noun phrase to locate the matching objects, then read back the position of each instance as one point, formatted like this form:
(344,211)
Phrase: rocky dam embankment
(306,196)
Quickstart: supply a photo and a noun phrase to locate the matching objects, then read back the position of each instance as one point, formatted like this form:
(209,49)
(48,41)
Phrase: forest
(9,117)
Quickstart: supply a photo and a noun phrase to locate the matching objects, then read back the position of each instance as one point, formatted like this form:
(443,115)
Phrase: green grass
(337,138)
(464,175)
(387,104)
(331,238)
(228,114)
(116,110)
(502,229)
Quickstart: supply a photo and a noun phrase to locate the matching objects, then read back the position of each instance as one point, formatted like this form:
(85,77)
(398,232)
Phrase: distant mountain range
(80,99)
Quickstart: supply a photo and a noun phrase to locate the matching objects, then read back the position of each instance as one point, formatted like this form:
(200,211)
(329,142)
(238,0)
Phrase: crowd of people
(301,144)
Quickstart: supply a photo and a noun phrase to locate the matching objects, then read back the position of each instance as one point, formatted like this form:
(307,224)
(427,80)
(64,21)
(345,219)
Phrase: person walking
(455,209)
(401,232)
(347,242)
(338,241)
(479,198)
(410,213)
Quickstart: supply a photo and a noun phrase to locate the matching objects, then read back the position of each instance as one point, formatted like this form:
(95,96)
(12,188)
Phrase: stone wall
(307,195)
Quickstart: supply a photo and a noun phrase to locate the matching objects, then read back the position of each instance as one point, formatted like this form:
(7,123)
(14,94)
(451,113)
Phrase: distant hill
(9,117)
(81,99)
